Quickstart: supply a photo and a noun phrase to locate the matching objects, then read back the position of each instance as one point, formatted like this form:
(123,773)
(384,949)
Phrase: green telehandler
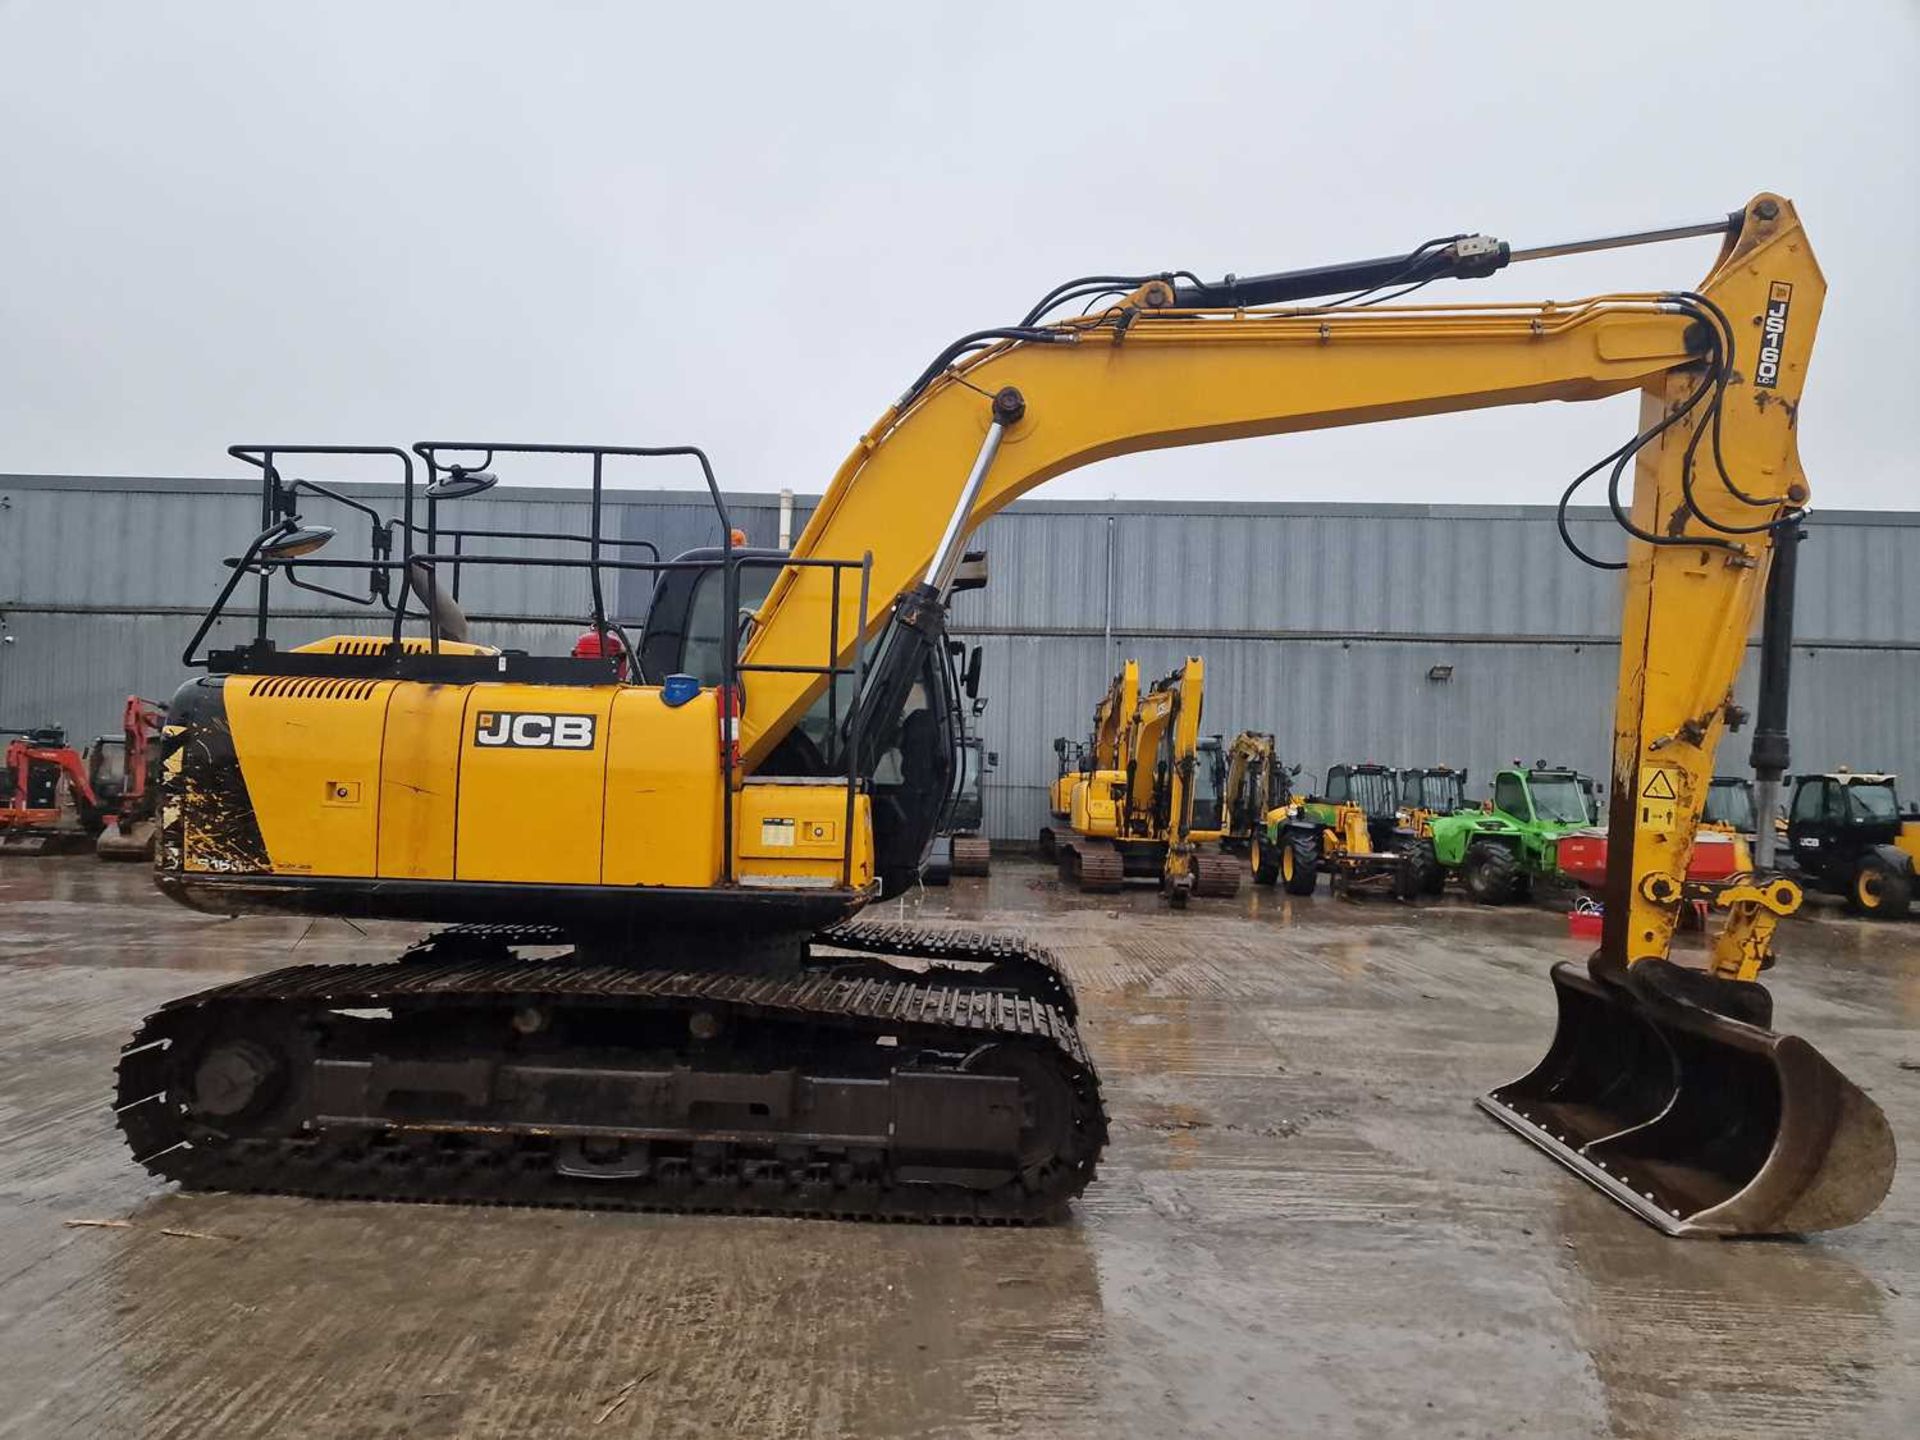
(1499,852)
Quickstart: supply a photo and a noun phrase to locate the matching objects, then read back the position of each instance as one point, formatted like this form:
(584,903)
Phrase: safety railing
(286,545)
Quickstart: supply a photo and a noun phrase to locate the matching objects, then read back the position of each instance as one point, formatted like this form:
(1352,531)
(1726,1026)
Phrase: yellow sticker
(1659,800)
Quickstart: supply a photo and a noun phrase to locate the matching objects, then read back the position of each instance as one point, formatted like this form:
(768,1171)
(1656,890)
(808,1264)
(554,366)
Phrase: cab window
(1872,802)
(1510,795)
(707,630)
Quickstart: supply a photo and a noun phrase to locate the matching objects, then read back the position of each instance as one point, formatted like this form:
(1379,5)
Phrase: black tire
(1406,879)
(1489,872)
(1433,875)
(1264,859)
(1300,862)
(1879,891)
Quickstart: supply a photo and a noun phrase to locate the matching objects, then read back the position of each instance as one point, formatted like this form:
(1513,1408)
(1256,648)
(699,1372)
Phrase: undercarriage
(873,1072)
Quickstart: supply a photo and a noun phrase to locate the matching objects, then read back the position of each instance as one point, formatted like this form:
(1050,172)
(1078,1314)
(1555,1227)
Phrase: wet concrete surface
(1302,1226)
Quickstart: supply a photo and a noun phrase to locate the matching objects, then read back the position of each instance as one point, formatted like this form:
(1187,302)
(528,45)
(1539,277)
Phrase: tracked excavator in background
(720,1032)
(1138,821)
(1101,758)
(1069,761)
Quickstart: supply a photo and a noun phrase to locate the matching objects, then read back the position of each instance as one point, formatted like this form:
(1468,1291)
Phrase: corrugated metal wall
(1319,622)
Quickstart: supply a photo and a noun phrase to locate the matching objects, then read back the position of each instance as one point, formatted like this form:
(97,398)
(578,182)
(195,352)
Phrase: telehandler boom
(708,813)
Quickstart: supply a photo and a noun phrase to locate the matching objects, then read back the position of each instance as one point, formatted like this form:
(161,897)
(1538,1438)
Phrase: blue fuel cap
(678,690)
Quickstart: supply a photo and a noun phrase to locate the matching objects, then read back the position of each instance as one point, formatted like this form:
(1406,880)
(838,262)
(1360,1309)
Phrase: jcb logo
(1773,334)
(529,730)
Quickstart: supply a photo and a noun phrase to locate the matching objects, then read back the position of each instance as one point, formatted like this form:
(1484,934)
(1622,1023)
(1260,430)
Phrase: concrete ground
(1302,1226)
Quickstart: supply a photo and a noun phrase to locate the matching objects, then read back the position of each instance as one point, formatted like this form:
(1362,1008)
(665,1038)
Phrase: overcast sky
(748,226)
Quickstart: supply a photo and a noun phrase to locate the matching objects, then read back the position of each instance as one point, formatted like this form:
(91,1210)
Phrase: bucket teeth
(1699,1123)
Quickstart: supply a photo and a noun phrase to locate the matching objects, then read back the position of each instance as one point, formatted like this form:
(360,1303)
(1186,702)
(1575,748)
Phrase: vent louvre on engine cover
(305,687)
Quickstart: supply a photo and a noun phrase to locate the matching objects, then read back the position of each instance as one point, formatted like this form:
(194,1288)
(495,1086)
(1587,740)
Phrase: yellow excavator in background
(1257,794)
(1136,821)
(1102,758)
(1069,760)
(698,815)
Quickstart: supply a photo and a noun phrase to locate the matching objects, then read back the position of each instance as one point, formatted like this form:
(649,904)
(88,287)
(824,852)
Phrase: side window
(1339,786)
(1807,800)
(1835,805)
(1510,795)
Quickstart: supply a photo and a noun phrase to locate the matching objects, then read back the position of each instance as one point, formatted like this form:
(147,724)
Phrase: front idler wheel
(233,1080)
(1046,1107)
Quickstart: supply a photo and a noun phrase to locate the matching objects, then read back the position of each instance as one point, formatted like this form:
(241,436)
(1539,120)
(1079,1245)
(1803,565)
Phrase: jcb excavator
(1069,760)
(1102,756)
(717,1037)
(1138,821)
(1258,796)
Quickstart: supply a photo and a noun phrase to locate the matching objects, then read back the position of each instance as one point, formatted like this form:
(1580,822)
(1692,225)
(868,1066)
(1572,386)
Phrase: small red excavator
(47,804)
(123,776)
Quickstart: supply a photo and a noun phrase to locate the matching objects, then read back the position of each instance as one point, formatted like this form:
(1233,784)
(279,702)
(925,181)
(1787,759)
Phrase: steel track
(474,978)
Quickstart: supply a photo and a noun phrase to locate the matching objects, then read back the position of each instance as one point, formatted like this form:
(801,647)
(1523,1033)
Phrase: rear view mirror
(296,541)
(459,484)
(970,682)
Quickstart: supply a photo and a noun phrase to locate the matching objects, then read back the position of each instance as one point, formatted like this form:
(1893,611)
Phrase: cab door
(1813,825)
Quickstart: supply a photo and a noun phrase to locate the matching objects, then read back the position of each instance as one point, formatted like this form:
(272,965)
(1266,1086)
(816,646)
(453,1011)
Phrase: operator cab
(1209,780)
(914,772)
(1371,788)
(1729,804)
(1436,789)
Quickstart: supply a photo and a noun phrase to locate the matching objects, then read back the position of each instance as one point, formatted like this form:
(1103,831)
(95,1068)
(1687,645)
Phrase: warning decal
(1659,801)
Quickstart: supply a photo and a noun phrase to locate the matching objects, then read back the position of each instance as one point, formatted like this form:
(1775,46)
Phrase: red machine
(1718,855)
(53,799)
(127,789)
(47,803)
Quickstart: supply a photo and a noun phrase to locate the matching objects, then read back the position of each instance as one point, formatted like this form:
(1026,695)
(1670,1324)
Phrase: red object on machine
(1582,857)
(601,645)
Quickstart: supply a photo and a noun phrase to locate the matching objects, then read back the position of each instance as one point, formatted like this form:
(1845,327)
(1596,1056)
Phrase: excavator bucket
(1698,1123)
(127,839)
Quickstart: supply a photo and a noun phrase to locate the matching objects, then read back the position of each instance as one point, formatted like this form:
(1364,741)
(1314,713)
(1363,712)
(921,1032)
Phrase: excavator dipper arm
(1715,470)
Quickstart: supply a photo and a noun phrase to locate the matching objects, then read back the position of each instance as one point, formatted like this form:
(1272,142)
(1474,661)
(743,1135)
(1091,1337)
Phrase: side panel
(532,783)
(309,750)
(419,781)
(795,835)
(662,791)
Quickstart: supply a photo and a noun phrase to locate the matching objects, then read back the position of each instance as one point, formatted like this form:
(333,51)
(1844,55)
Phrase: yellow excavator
(1069,760)
(1101,759)
(698,815)
(1137,821)
(1257,794)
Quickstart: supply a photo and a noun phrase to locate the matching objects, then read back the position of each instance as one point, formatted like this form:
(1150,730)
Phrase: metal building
(1461,635)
